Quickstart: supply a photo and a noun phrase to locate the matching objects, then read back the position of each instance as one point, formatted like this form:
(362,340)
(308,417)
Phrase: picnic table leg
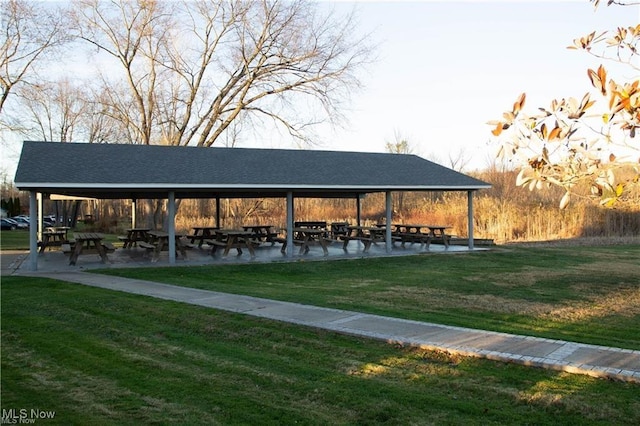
(445,238)
(200,238)
(250,247)
(304,247)
(323,244)
(101,251)
(76,252)
(428,240)
(230,241)
(43,243)
(181,248)
(156,253)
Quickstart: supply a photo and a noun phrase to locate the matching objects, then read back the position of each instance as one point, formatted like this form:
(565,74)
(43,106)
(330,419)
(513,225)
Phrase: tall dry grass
(526,217)
(504,213)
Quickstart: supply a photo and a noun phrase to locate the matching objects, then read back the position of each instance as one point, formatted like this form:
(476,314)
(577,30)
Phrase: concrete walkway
(599,361)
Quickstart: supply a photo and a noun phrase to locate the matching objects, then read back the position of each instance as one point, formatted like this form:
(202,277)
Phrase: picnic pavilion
(125,171)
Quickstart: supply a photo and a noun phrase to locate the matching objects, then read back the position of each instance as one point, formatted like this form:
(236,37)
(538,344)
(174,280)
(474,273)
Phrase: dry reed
(504,213)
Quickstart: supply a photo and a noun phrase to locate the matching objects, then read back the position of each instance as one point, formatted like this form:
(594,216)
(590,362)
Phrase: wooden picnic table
(306,237)
(53,236)
(201,233)
(233,239)
(314,224)
(423,234)
(88,240)
(366,234)
(159,241)
(339,230)
(64,229)
(262,233)
(134,236)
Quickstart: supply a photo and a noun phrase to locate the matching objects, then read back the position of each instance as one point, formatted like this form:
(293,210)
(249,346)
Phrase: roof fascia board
(173,186)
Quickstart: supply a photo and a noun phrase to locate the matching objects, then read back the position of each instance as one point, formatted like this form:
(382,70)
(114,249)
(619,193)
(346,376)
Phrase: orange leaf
(517,106)
(497,130)
(543,130)
(554,133)
(597,81)
(602,73)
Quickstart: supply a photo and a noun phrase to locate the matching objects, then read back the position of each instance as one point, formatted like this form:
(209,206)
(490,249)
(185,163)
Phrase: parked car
(23,223)
(9,225)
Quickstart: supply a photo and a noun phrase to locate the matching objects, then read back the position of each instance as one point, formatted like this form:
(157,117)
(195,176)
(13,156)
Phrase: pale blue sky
(445,68)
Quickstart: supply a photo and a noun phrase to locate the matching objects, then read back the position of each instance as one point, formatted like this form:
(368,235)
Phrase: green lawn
(585,294)
(94,356)
(14,240)
(19,239)
(99,357)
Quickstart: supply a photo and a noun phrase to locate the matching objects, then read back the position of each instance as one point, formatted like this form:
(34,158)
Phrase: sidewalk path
(599,361)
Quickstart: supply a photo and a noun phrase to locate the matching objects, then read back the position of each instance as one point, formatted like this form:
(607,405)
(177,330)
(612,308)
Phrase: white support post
(40,215)
(172,227)
(470,218)
(33,236)
(134,204)
(388,210)
(289,224)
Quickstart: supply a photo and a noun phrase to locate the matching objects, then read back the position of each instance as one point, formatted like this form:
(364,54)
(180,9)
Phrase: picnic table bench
(423,234)
(366,234)
(262,233)
(339,230)
(317,224)
(228,239)
(202,233)
(53,237)
(134,237)
(89,240)
(307,237)
(159,241)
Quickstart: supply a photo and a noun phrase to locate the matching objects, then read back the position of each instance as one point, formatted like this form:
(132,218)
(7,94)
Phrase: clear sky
(445,68)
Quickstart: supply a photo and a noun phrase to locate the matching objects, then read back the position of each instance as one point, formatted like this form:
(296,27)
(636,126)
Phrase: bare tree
(52,111)
(193,69)
(64,111)
(400,145)
(130,32)
(32,31)
(458,160)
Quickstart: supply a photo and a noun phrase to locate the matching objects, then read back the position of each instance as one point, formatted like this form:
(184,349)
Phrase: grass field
(581,293)
(14,240)
(93,356)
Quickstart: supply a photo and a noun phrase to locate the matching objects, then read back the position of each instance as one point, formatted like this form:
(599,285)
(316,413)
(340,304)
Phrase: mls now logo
(24,416)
